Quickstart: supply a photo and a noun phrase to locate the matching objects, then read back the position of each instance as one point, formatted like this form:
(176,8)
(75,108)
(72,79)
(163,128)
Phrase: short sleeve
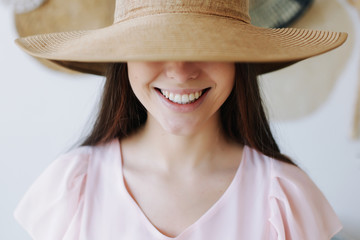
(299,211)
(49,208)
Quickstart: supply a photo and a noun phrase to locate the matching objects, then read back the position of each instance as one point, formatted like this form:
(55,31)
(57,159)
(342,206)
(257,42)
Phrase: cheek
(141,75)
(133,77)
(139,82)
(228,84)
(230,79)
(225,84)
(137,73)
(223,94)
(135,86)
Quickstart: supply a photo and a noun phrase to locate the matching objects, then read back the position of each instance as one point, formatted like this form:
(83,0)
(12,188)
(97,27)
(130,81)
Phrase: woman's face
(182,97)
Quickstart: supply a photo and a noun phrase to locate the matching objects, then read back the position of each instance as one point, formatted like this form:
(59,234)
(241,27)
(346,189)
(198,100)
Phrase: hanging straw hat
(277,13)
(312,80)
(187,30)
(47,16)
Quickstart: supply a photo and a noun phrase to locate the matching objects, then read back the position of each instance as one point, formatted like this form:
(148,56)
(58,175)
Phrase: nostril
(193,76)
(182,71)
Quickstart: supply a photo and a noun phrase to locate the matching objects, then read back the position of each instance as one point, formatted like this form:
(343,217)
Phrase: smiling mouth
(182,98)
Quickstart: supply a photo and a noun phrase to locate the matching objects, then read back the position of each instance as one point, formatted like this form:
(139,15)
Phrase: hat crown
(128,9)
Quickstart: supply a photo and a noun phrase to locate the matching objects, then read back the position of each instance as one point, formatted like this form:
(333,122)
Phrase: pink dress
(82,196)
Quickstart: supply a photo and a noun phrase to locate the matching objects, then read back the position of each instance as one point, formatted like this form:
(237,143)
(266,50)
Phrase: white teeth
(177,98)
(182,98)
(191,97)
(197,95)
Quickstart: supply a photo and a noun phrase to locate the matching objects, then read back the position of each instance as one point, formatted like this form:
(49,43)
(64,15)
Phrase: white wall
(322,145)
(43,113)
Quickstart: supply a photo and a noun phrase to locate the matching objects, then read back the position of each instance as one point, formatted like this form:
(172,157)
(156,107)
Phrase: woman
(181,148)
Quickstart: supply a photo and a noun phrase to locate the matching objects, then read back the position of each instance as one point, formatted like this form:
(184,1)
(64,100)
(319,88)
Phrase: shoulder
(275,171)
(294,175)
(297,207)
(88,151)
(51,206)
(77,158)
(299,210)
(84,156)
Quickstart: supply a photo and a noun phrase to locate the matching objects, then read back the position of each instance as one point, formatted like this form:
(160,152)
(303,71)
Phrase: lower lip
(182,108)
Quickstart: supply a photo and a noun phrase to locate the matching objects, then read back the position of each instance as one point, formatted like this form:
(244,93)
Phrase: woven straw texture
(181,31)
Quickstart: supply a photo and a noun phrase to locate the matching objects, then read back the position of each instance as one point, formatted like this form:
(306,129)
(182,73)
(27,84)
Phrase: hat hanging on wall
(355,133)
(314,79)
(23,6)
(46,16)
(277,13)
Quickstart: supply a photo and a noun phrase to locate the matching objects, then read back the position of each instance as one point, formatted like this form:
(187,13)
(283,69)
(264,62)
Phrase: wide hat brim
(180,37)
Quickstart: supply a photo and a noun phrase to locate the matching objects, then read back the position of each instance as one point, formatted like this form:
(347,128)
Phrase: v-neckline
(203,218)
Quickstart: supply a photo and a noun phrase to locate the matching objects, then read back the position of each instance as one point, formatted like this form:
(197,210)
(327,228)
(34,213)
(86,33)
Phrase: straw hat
(180,30)
(47,16)
(312,80)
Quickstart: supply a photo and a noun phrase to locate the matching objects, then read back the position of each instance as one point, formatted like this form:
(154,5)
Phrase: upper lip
(182,91)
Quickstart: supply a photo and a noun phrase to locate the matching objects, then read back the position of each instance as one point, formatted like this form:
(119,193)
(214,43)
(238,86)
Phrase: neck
(170,151)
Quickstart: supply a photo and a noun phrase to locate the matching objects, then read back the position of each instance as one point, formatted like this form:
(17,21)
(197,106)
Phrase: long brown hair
(242,115)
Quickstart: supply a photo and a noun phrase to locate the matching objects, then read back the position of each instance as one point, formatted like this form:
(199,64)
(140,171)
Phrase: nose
(182,71)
